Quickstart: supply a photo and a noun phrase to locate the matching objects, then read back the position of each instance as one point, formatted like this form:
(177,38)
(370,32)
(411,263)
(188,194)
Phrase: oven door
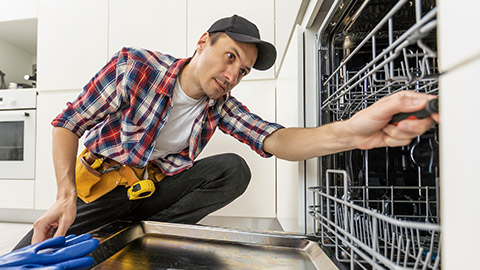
(17,144)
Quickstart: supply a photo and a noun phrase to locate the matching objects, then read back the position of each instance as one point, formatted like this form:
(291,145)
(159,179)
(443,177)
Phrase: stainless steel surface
(158,245)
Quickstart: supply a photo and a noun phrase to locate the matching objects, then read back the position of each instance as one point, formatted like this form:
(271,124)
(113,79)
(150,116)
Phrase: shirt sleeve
(103,95)
(237,121)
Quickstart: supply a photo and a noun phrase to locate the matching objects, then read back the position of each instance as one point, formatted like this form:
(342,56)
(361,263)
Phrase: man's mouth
(222,87)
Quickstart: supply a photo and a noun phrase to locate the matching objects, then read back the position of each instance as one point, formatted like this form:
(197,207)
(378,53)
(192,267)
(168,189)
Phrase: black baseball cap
(242,30)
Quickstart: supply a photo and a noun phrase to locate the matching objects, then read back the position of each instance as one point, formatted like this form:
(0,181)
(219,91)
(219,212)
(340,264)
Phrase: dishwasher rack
(405,63)
(379,208)
(365,237)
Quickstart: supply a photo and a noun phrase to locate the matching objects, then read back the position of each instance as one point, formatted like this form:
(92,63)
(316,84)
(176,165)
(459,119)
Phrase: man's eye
(243,72)
(230,56)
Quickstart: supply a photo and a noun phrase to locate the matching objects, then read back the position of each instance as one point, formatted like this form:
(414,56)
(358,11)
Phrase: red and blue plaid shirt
(125,106)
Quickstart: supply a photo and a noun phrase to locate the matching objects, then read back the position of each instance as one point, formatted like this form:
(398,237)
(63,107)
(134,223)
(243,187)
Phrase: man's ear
(202,42)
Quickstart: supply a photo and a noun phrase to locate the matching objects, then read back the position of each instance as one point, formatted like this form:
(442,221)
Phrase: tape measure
(141,189)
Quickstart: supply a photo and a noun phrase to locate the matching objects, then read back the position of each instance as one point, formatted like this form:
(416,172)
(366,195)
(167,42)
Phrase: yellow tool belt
(96,176)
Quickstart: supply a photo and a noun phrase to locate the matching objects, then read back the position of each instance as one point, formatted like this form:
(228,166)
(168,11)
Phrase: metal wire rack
(367,238)
(406,63)
(370,222)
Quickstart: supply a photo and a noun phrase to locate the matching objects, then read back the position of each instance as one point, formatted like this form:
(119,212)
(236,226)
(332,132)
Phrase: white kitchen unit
(459,94)
(459,36)
(49,105)
(160,27)
(13,10)
(287,15)
(202,14)
(290,113)
(72,42)
(259,199)
(17,194)
(460,163)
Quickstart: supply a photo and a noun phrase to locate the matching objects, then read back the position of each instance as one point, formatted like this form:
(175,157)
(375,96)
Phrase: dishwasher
(379,208)
(372,209)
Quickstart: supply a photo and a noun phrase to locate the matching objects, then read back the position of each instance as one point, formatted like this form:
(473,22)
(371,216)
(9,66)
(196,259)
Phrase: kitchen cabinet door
(202,14)
(258,201)
(290,176)
(72,42)
(16,194)
(49,105)
(458,34)
(158,25)
(286,13)
(18,10)
(459,163)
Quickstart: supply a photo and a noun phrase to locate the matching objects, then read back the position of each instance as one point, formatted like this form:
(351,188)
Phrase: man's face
(222,65)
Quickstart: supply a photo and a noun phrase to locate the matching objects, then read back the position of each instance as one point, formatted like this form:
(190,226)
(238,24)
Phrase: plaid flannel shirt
(126,104)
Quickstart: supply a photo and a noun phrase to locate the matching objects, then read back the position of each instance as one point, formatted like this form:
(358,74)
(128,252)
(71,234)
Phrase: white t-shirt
(175,134)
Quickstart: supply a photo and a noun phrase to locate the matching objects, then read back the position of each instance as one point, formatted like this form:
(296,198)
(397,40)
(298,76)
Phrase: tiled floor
(10,234)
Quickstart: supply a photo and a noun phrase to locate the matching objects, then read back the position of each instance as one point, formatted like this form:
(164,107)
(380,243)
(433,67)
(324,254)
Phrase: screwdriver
(431,107)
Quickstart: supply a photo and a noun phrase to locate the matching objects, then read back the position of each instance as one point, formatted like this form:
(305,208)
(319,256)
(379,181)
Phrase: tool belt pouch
(91,184)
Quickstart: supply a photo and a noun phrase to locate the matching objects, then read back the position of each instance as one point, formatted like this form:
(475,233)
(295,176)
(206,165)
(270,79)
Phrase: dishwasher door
(160,245)
(379,208)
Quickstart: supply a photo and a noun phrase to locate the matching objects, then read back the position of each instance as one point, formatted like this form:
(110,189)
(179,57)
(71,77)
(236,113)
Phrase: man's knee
(239,172)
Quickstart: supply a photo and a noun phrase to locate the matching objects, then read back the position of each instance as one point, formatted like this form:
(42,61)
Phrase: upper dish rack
(406,62)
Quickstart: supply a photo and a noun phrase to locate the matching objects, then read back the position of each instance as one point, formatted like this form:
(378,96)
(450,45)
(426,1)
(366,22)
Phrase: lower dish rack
(367,238)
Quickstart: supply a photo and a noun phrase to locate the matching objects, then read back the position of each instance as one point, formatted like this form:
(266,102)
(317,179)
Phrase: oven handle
(5,114)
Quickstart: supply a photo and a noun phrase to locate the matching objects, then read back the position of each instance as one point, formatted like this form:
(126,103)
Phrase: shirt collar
(168,81)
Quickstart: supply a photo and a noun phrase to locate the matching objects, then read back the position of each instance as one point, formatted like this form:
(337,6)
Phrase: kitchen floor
(11,233)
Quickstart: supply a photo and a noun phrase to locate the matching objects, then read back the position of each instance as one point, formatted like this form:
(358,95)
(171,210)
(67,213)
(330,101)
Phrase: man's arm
(367,129)
(63,212)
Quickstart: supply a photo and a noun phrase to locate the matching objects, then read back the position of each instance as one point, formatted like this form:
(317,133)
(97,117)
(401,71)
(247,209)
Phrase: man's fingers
(405,131)
(62,229)
(41,232)
(404,101)
(408,128)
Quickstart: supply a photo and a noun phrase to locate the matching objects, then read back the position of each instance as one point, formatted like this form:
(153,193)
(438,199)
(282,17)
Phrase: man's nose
(232,75)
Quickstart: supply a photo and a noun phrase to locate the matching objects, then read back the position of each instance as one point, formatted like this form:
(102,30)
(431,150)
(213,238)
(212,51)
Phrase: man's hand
(370,127)
(61,216)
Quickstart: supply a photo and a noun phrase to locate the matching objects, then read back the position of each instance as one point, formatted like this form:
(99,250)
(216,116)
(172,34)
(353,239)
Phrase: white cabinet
(286,13)
(72,42)
(16,194)
(18,10)
(290,179)
(458,34)
(459,165)
(49,105)
(259,199)
(202,14)
(150,24)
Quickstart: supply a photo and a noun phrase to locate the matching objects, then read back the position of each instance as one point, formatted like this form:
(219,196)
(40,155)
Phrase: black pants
(187,197)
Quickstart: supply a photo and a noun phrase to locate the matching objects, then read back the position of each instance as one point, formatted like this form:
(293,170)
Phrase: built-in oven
(17,134)
(379,208)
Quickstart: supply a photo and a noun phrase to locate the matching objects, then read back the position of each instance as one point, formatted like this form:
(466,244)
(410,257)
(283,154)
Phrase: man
(146,109)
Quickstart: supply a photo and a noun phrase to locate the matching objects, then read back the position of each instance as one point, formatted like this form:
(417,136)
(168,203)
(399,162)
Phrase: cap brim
(267,54)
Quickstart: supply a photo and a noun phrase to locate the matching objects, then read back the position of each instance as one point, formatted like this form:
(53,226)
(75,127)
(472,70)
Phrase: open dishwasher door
(379,208)
(160,245)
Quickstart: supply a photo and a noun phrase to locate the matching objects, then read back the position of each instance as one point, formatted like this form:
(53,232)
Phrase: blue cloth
(54,253)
